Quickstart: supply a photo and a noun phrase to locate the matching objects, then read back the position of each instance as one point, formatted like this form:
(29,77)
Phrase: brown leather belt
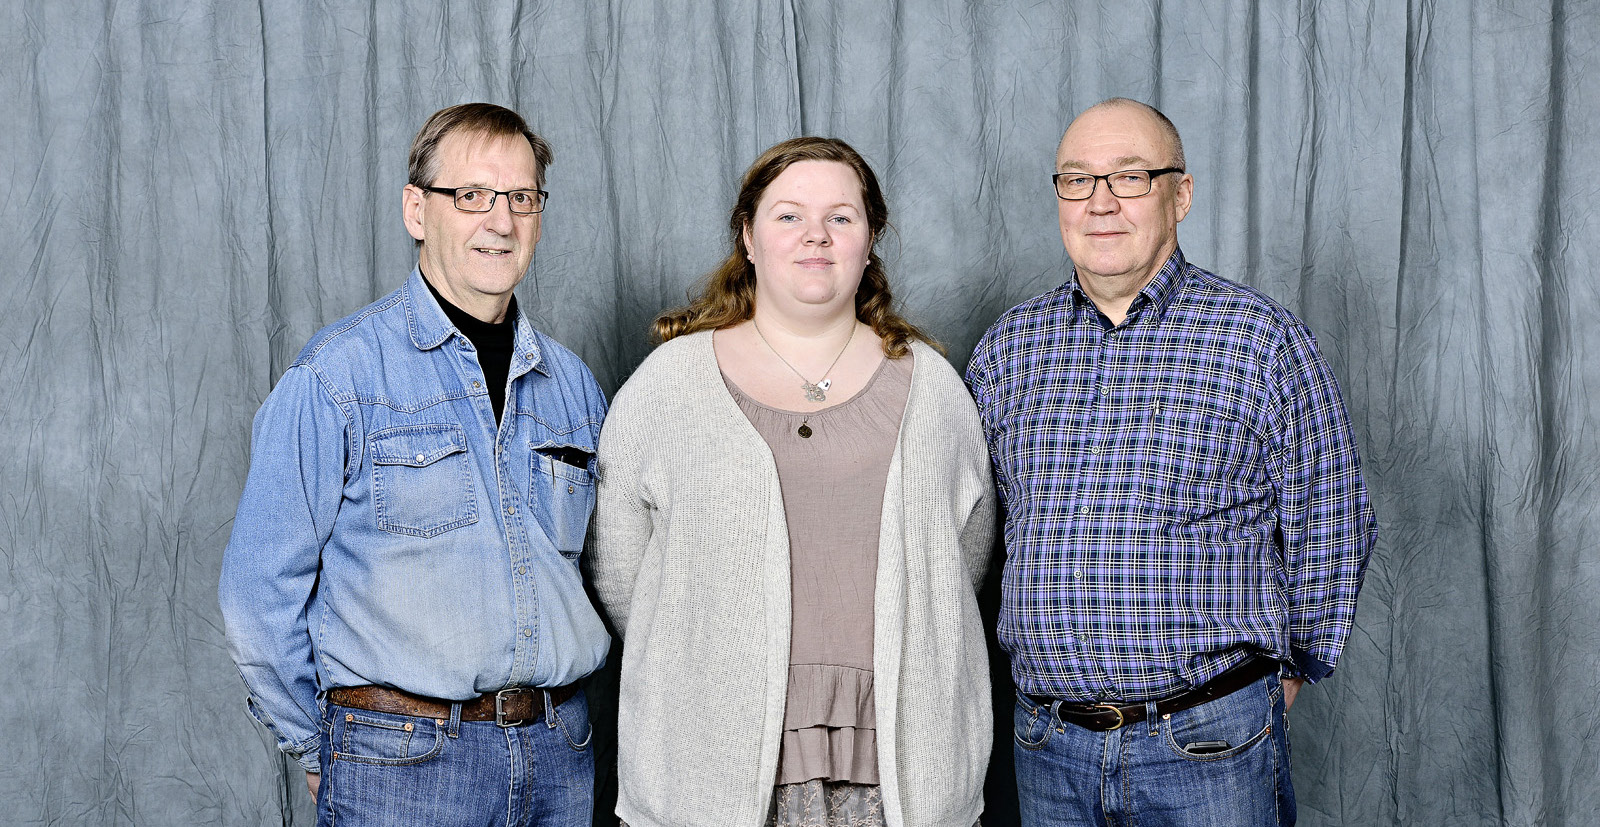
(509,707)
(1107,716)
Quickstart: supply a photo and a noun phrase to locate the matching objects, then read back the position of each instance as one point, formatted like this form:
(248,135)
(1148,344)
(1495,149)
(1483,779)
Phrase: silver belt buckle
(500,707)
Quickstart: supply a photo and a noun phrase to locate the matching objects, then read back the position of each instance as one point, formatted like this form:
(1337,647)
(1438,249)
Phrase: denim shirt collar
(430,327)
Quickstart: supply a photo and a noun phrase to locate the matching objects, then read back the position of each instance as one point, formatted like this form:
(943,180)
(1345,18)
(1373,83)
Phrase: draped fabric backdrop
(191,188)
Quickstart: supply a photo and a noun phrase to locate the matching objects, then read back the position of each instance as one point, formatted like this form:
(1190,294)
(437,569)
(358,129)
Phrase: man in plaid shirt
(1185,522)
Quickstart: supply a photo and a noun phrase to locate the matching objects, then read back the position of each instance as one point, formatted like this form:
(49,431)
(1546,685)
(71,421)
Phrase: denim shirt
(390,533)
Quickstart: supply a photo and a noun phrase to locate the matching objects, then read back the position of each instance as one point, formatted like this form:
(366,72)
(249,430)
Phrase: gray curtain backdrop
(190,188)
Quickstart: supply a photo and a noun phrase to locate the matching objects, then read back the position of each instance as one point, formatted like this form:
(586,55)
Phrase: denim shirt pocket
(422,479)
(562,493)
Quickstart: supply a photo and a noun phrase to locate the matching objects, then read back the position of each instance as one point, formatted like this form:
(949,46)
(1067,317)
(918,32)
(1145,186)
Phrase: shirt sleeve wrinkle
(1323,514)
(269,570)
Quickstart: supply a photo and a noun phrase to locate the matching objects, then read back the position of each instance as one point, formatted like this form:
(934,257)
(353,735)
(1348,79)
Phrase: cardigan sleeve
(977,536)
(961,433)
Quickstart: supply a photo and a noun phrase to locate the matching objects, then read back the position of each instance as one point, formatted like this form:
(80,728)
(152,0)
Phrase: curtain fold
(192,188)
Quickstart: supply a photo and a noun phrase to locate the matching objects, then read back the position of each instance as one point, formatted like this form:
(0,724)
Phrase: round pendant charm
(804,431)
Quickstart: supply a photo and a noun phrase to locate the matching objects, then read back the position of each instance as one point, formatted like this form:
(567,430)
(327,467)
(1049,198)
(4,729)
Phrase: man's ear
(1185,195)
(411,203)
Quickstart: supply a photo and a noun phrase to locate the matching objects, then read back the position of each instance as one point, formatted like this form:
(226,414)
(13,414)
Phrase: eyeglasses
(1125,183)
(481,199)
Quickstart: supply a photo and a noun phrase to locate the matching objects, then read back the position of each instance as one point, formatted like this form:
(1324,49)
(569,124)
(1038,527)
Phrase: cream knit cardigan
(690,558)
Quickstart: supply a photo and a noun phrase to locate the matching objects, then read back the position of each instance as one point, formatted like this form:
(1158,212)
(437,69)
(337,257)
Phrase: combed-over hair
(484,119)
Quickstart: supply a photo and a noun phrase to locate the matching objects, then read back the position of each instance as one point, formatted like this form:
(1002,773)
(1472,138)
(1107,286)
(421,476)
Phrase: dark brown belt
(509,707)
(1106,717)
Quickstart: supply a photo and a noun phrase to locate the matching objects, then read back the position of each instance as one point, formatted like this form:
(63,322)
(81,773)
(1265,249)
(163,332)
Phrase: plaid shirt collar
(1158,294)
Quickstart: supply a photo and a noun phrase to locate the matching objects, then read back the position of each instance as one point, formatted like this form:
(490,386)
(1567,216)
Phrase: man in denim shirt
(401,589)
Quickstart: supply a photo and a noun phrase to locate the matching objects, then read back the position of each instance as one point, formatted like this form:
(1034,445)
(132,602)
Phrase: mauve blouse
(833,486)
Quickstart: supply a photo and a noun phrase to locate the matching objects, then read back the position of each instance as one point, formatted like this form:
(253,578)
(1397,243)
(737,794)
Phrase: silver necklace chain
(815,391)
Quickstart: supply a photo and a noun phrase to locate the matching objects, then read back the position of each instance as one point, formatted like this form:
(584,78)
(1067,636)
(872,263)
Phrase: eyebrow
(1119,163)
(798,204)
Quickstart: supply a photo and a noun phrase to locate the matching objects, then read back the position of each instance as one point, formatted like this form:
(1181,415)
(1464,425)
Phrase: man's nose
(1101,201)
(499,218)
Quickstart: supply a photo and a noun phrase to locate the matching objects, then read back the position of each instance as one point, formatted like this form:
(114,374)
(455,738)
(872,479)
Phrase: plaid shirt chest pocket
(422,479)
(1197,464)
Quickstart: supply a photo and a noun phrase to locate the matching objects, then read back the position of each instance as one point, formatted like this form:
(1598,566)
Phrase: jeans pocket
(572,718)
(1225,727)
(1031,725)
(379,738)
(562,494)
(422,479)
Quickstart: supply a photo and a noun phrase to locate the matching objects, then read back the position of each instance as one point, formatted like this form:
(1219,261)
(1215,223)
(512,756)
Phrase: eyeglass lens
(1130,183)
(522,202)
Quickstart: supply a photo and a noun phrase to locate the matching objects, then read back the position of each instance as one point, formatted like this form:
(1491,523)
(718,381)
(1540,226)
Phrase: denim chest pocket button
(561,494)
(422,479)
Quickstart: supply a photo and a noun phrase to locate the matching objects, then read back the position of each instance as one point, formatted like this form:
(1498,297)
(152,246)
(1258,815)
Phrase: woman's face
(809,240)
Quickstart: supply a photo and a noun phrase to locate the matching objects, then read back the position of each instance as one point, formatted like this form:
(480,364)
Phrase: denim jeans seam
(1235,751)
(370,760)
(373,760)
(566,734)
(1033,718)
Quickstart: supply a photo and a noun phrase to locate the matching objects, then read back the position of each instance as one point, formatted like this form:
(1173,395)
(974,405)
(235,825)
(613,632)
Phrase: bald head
(1118,242)
(1173,143)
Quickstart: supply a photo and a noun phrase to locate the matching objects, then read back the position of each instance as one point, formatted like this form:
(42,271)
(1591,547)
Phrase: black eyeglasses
(481,199)
(1124,183)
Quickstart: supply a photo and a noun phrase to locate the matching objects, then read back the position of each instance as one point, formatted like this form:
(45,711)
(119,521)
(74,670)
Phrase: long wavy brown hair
(728,294)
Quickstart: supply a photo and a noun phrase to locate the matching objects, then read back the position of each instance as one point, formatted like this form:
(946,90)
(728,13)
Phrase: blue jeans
(400,771)
(1161,771)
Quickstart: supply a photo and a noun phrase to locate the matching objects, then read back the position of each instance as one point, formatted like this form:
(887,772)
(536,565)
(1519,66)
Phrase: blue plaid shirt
(1181,490)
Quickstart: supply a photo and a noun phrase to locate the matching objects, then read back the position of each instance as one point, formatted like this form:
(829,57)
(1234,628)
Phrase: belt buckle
(500,707)
(1114,708)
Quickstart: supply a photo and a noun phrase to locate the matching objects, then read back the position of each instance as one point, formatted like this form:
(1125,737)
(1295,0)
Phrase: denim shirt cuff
(306,754)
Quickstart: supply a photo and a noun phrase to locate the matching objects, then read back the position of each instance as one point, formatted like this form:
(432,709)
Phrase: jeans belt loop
(1152,718)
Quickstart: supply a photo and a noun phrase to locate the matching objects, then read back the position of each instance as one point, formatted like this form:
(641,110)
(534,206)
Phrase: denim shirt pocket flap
(417,445)
(422,479)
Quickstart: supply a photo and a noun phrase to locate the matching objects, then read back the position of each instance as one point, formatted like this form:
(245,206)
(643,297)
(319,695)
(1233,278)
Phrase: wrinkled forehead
(1114,137)
(465,150)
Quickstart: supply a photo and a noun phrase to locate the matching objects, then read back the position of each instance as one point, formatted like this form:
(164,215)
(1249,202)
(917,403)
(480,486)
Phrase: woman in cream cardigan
(794,511)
